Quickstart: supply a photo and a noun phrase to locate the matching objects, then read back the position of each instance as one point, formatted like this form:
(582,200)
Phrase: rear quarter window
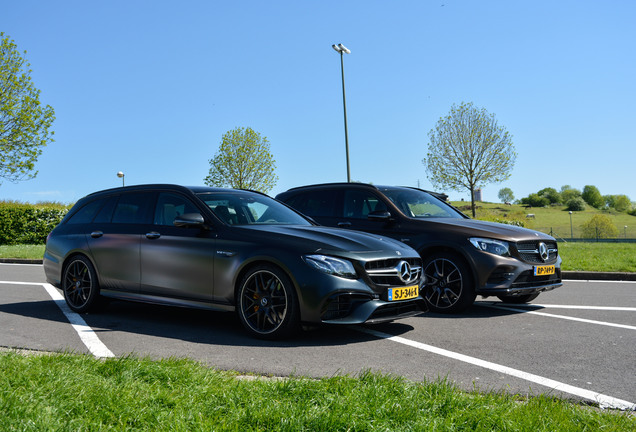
(314,203)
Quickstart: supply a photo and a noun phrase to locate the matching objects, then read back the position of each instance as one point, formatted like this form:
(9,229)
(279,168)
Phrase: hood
(500,231)
(318,239)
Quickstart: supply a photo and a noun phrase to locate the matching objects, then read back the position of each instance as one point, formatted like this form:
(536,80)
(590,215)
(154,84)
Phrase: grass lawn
(78,392)
(605,257)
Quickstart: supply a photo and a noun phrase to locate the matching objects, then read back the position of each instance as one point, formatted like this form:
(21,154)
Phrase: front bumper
(346,308)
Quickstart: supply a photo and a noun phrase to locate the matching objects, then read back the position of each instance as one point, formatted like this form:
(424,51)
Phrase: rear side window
(320,203)
(86,213)
(132,208)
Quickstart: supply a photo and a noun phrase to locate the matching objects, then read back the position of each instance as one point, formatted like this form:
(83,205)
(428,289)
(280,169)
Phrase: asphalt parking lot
(576,342)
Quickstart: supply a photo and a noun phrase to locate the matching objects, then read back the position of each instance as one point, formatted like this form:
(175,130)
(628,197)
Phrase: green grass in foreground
(605,257)
(77,392)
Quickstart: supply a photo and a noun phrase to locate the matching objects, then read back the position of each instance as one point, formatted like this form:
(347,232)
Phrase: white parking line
(604,401)
(600,281)
(86,333)
(574,307)
(569,318)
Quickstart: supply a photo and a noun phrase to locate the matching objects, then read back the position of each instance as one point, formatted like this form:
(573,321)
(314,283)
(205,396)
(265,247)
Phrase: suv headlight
(496,247)
(331,265)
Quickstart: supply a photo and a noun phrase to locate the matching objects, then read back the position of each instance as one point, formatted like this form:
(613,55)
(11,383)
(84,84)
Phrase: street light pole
(341,49)
(571,232)
(121,175)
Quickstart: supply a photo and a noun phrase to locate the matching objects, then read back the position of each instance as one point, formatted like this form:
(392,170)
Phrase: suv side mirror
(189,220)
(379,215)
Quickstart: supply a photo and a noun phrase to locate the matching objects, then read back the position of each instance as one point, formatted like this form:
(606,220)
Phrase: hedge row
(28,223)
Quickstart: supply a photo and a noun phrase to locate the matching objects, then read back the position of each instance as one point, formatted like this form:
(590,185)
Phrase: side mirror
(379,215)
(189,220)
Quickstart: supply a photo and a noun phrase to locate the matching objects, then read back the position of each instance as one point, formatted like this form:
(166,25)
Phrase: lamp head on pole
(340,48)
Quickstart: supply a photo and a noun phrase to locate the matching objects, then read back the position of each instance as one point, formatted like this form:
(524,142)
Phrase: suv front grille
(395,271)
(529,251)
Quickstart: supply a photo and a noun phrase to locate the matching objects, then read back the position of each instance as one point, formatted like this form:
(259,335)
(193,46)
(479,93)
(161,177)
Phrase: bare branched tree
(468,150)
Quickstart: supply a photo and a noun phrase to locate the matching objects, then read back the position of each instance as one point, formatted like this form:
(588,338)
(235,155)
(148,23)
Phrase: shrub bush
(28,223)
(576,204)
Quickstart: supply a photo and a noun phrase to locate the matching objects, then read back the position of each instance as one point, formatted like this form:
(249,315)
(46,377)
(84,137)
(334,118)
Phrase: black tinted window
(106,213)
(86,213)
(171,205)
(132,208)
(319,203)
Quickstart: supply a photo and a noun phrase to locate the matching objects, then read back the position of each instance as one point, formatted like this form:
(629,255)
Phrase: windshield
(247,208)
(419,204)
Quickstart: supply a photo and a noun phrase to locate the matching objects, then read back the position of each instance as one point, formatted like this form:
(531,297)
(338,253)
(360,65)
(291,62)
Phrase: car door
(177,262)
(114,240)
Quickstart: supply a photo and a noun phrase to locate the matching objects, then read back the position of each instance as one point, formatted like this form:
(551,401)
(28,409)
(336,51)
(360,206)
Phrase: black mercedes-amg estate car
(229,249)
(461,257)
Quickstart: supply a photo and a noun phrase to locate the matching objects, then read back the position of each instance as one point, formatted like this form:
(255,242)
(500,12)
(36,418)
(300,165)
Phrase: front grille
(394,272)
(529,251)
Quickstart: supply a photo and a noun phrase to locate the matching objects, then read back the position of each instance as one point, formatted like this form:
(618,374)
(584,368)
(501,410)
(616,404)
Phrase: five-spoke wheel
(79,283)
(449,284)
(267,303)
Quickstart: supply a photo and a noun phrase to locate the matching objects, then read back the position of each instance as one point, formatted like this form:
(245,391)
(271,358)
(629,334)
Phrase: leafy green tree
(468,149)
(506,195)
(243,161)
(24,122)
(568,192)
(599,226)
(620,203)
(551,195)
(593,197)
(535,200)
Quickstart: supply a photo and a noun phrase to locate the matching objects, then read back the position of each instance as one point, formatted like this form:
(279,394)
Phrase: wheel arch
(70,257)
(431,250)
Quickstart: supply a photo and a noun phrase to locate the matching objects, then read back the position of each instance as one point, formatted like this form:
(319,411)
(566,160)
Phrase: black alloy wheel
(518,299)
(449,284)
(267,303)
(79,283)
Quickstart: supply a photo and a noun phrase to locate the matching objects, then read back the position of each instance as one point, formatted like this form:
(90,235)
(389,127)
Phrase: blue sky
(150,87)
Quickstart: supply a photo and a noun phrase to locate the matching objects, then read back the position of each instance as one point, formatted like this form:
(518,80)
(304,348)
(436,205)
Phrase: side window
(86,213)
(320,203)
(106,213)
(132,208)
(358,204)
(171,205)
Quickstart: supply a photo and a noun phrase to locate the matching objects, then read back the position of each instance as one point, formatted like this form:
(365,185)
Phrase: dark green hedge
(28,223)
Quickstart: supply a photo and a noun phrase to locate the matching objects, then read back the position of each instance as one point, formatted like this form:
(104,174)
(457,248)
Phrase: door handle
(153,235)
(344,224)
(97,234)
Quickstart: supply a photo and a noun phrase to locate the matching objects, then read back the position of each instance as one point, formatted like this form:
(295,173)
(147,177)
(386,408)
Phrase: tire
(518,299)
(267,304)
(80,285)
(449,286)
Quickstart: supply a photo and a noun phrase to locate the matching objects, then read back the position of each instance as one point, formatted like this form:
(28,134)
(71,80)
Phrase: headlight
(331,265)
(496,247)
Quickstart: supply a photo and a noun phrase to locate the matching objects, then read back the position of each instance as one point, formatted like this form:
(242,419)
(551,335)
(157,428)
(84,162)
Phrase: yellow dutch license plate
(544,270)
(403,293)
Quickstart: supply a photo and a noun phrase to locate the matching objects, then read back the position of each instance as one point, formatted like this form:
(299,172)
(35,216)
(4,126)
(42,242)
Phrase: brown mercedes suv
(462,257)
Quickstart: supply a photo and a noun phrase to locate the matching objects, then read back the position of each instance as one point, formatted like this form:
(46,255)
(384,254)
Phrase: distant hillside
(554,220)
